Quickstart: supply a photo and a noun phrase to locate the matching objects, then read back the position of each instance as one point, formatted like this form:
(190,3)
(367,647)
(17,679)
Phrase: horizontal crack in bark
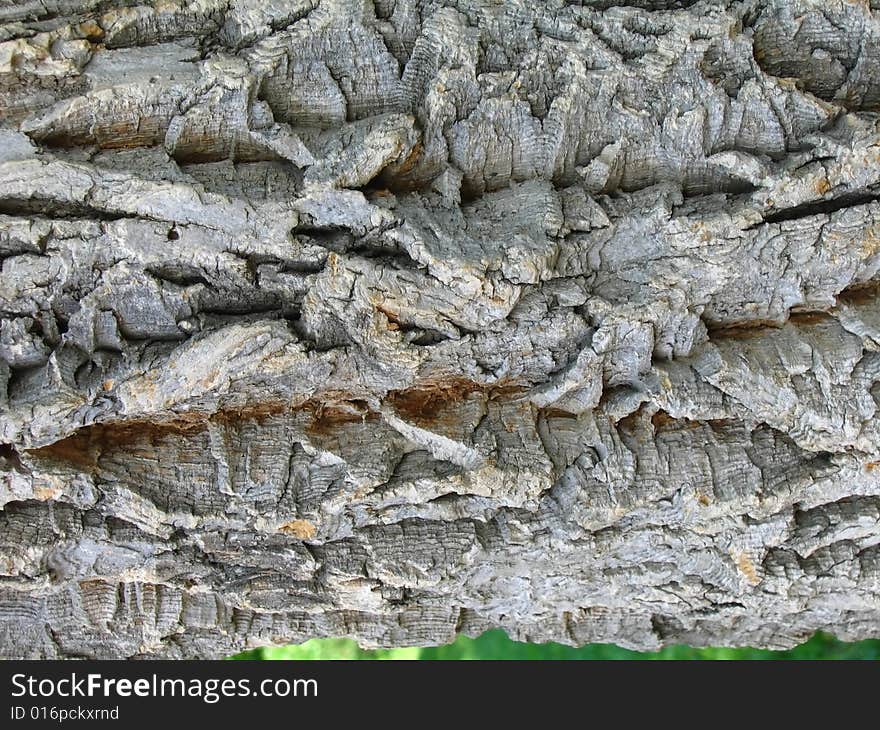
(426,404)
(817,207)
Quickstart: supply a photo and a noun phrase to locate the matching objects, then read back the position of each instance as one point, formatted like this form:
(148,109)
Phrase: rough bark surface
(406,318)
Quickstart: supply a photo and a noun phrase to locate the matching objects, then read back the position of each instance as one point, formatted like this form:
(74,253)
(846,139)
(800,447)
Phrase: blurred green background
(496,645)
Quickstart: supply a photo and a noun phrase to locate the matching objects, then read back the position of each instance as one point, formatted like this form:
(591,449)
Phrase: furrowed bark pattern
(399,319)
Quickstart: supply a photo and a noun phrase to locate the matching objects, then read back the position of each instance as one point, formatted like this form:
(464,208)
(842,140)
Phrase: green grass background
(497,645)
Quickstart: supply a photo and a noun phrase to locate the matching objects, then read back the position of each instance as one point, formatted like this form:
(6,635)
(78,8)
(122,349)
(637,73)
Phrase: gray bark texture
(400,319)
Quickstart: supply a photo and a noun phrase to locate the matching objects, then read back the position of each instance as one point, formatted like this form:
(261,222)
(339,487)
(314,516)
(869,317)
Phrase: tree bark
(400,319)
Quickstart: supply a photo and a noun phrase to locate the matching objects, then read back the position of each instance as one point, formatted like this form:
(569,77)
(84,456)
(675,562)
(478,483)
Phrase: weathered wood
(401,319)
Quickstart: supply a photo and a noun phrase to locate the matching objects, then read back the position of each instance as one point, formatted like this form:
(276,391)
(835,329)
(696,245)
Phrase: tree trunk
(399,319)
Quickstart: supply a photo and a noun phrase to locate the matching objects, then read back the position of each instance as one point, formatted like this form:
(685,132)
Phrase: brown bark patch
(747,568)
(743,329)
(328,416)
(663,422)
(805,319)
(435,401)
(856,294)
(301,529)
(551,412)
(83,448)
